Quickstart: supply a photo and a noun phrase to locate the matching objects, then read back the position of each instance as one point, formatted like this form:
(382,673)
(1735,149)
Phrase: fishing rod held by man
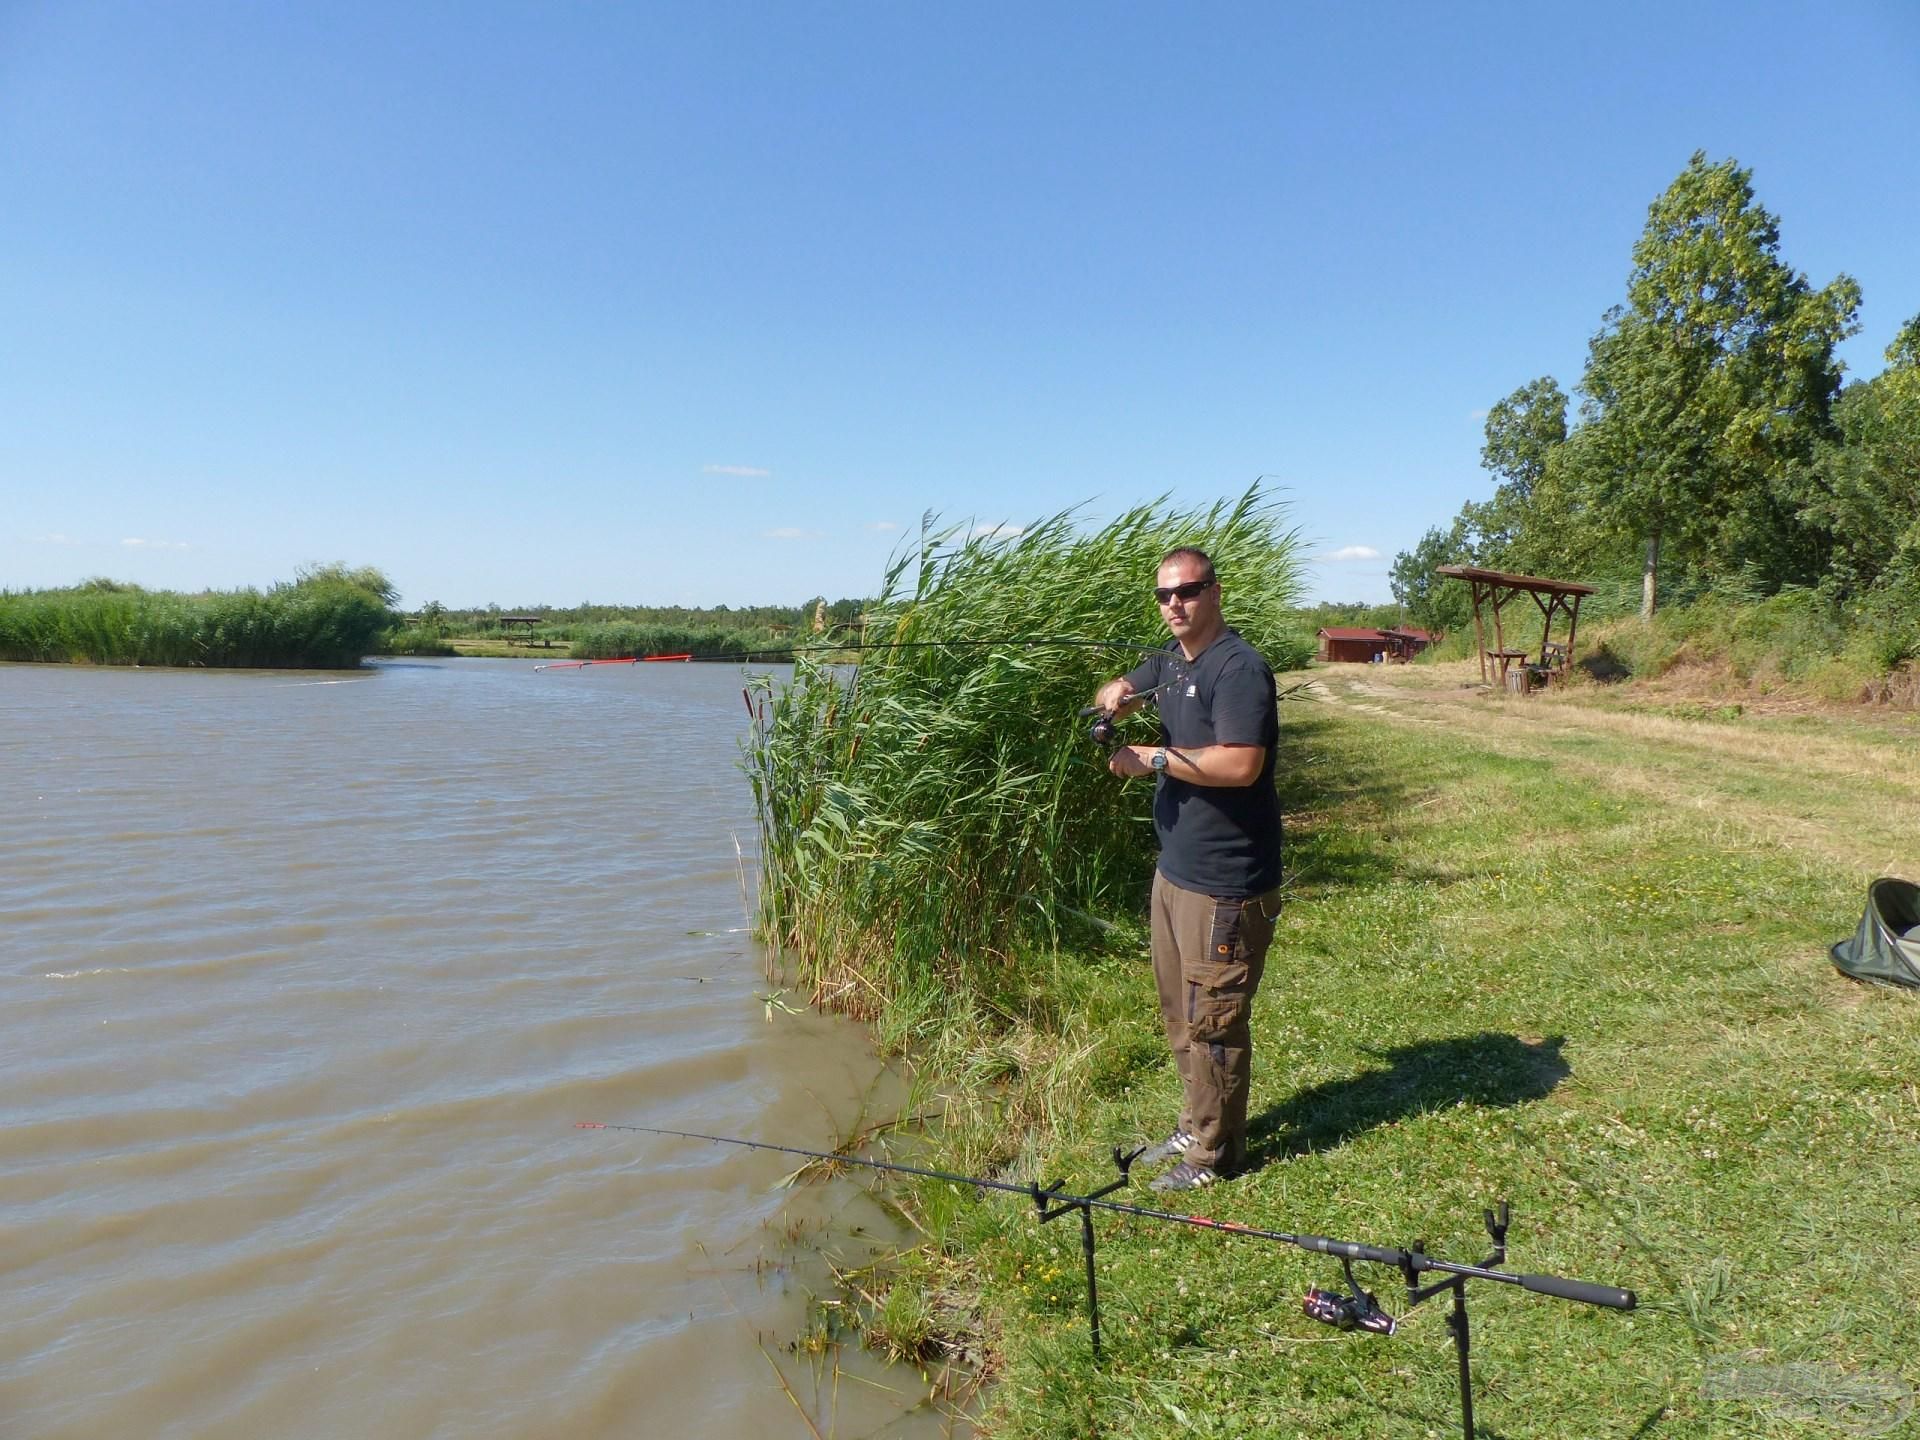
(787,654)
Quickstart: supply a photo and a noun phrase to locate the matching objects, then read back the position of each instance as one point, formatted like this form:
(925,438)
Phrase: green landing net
(1886,947)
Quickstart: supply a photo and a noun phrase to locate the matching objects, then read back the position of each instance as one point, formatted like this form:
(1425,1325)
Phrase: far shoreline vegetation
(1786,646)
(614,632)
(333,618)
(329,618)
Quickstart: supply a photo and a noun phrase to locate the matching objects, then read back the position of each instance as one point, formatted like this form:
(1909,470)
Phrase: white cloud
(998,532)
(1355,552)
(792,532)
(1478,415)
(56,539)
(137,544)
(885,527)
(744,472)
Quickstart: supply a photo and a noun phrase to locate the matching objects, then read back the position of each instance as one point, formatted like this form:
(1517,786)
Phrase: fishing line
(1103,731)
(782,653)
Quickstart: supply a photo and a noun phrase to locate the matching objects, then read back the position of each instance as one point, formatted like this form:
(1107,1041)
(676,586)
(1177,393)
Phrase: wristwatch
(1158,760)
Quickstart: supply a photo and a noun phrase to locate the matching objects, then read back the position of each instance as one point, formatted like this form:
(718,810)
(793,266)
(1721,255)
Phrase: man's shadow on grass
(1488,1069)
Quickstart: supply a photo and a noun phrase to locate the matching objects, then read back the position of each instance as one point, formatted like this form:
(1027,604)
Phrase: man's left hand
(1129,762)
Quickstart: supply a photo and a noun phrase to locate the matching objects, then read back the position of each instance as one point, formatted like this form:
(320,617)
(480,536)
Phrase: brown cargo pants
(1208,956)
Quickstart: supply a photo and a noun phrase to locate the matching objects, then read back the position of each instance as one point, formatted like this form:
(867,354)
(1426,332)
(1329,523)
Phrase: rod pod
(1054,1200)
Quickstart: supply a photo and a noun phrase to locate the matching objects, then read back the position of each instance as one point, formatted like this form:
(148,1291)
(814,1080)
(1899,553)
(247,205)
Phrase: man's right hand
(1116,697)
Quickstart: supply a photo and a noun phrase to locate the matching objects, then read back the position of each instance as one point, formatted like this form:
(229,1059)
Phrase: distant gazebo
(510,623)
(1554,598)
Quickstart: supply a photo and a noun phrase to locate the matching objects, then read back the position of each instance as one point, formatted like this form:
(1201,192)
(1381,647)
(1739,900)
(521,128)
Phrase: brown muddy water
(304,979)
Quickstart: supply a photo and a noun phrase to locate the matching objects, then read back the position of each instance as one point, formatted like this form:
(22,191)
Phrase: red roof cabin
(1361,645)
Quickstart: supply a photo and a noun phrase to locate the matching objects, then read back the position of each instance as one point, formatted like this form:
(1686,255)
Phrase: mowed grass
(1548,952)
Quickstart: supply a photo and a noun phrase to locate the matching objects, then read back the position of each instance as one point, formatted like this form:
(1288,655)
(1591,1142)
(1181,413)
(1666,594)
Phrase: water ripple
(306,980)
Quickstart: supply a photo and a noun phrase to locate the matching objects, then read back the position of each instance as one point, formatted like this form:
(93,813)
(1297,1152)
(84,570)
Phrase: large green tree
(1708,385)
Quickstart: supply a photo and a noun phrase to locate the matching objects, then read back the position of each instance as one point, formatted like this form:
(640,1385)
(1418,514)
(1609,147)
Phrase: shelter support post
(1479,631)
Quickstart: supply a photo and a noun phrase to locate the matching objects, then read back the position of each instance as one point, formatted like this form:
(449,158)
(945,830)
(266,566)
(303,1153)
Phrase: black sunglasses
(1166,594)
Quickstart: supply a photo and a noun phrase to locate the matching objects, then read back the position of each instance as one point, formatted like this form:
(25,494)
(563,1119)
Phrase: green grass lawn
(1556,950)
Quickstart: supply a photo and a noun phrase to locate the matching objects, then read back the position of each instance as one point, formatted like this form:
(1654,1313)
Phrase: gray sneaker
(1171,1148)
(1185,1177)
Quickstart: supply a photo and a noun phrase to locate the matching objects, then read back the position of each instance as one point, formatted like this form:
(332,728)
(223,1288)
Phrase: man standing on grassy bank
(1216,890)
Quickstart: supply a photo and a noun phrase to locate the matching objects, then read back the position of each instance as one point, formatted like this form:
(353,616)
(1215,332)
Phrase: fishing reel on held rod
(1105,730)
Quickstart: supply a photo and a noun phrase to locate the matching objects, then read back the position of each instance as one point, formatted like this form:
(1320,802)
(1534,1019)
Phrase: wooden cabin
(1364,645)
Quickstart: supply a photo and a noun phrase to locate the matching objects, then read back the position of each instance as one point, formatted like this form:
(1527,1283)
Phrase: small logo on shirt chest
(1193,691)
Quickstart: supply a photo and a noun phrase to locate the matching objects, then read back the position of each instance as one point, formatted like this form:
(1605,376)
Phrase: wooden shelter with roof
(518,630)
(1554,598)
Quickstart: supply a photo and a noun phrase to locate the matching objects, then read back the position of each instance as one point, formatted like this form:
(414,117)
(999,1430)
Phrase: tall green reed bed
(327,619)
(937,808)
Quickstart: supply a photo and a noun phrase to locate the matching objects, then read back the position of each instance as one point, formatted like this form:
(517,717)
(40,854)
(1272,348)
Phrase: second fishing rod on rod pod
(1355,1309)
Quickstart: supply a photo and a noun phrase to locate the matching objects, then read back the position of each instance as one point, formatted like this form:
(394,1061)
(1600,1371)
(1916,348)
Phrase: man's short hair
(1190,552)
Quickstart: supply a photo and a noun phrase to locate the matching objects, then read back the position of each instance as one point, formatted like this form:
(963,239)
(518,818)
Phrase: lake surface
(305,979)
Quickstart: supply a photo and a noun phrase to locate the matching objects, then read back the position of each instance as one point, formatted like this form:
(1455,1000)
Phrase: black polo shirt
(1218,840)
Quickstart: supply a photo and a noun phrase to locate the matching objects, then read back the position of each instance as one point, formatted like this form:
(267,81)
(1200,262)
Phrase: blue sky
(708,302)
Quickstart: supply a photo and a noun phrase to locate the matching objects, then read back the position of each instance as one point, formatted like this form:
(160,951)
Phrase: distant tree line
(1714,447)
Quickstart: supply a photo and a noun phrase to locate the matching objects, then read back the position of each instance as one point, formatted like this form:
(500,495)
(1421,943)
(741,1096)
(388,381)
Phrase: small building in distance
(1404,642)
(1364,645)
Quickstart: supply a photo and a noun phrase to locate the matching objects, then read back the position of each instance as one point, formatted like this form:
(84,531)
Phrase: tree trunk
(1647,575)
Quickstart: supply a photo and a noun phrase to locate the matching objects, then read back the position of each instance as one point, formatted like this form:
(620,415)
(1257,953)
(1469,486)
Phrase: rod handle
(1581,1290)
(1347,1250)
